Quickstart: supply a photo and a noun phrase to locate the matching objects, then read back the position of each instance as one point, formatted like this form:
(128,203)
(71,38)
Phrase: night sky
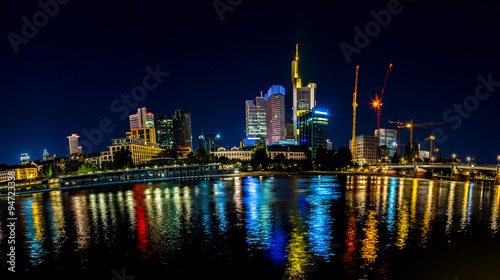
(65,78)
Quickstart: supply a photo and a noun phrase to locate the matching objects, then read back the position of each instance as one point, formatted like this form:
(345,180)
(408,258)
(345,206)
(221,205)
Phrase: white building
(255,111)
(388,141)
(245,154)
(366,149)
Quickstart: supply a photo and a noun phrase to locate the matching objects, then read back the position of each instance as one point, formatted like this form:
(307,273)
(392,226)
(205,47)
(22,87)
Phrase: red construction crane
(377,103)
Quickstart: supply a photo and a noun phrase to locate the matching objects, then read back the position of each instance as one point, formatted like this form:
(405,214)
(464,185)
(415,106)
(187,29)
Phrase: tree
(123,159)
(260,154)
(343,157)
(87,168)
(201,155)
(410,152)
(395,158)
(107,165)
(321,160)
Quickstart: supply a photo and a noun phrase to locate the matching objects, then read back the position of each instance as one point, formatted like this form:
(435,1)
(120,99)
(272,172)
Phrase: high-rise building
(73,144)
(45,154)
(304,98)
(182,130)
(388,142)
(165,132)
(366,149)
(255,111)
(313,128)
(142,119)
(25,159)
(275,114)
(209,142)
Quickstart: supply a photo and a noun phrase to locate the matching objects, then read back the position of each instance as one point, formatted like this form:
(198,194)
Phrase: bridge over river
(459,171)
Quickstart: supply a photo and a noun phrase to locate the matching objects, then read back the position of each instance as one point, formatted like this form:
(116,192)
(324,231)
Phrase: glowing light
(320,112)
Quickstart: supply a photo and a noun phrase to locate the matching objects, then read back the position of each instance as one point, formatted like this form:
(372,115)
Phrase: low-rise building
(22,172)
(141,150)
(366,149)
(245,153)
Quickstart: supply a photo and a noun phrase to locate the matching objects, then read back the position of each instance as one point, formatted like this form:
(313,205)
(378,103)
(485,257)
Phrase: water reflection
(288,223)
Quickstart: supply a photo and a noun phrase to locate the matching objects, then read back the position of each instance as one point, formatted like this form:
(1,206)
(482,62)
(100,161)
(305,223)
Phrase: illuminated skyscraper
(165,132)
(182,130)
(255,111)
(313,128)
(275,114)
(304,98)
(73,144)
(142,119)
(209,142)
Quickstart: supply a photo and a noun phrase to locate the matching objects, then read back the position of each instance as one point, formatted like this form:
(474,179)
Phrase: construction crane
(411,125)
(431,151)
(377,103)
(354,105)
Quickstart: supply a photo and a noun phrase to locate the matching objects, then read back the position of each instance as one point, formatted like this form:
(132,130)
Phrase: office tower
(202,142)
(313,127)
(182,130)
(45,154)
(366,149)
(165,132)
(25,159)
(142,119)
(255,111)
(388,142)
(304,98)
(73,144)
(275,114)
(214,141)
(209,141)
(329,145)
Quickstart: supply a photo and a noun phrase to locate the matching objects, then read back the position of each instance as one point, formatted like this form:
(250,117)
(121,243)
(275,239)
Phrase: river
(271,227)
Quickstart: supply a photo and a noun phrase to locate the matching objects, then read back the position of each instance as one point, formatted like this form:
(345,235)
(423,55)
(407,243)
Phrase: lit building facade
(141,150)
(145,133)
(142,119)
(255,111)
(165,132)
(22,172)
(245,154)
(313,130)
(209,142)
(304,98)
(366,149)
(388,142)
(73,144)
(275,114)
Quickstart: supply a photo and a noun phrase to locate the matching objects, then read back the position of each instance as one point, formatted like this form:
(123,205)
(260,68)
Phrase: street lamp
(454,156)
(468,160)
(498,159)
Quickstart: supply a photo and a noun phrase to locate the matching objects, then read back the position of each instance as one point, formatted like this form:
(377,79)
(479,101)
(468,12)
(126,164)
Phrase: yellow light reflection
(428,215)
(403,226)
(494,211)
(369,245)
(449,209)
(298,258)
(79,205)
(465,202)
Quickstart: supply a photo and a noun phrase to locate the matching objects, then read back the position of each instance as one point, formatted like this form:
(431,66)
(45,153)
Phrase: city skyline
(444,70)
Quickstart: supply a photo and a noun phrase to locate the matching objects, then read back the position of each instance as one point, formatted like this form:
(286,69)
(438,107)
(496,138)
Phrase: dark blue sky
(65,78)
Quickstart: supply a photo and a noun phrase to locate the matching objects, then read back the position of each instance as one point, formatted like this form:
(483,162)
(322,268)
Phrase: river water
(277,227)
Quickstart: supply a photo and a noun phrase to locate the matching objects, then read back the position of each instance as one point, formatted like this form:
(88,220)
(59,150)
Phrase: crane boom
(385,82)
(354,105)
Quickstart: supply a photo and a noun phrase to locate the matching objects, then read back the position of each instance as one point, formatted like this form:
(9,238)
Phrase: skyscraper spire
(296,52)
